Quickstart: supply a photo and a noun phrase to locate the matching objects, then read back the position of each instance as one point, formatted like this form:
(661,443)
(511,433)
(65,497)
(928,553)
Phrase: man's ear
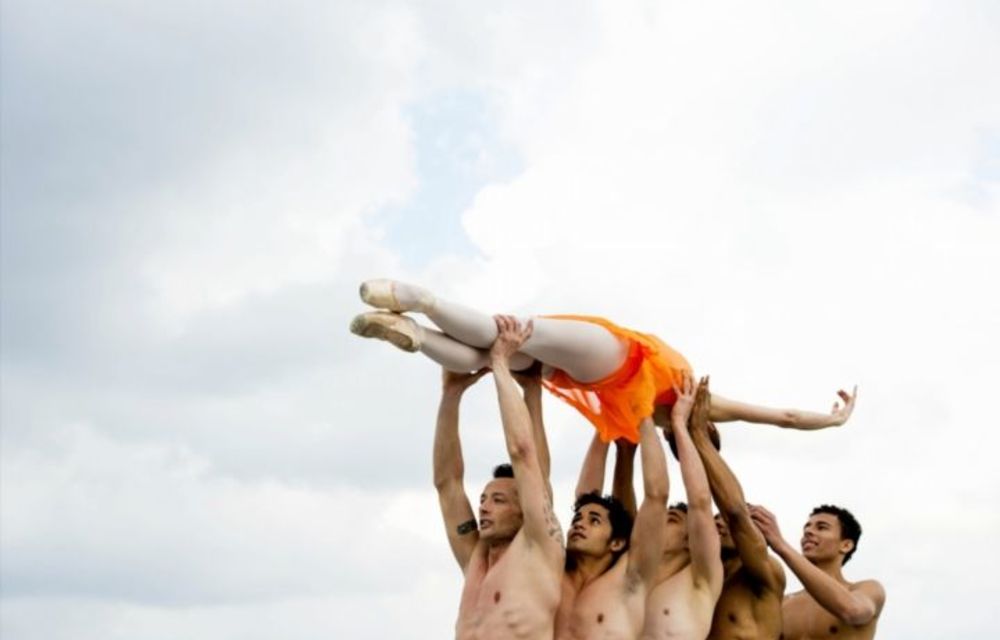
(617,545)
(846,546)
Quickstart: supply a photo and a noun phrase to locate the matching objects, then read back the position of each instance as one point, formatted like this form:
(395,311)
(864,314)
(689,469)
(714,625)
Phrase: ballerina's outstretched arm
(726,410)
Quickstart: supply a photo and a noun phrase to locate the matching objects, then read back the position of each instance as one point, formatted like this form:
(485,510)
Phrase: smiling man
(829,605)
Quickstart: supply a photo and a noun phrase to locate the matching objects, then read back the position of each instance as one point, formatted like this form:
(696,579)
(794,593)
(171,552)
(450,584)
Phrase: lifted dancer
(615,377)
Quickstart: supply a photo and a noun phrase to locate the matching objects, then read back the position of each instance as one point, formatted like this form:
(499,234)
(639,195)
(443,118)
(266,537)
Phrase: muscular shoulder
(871,588)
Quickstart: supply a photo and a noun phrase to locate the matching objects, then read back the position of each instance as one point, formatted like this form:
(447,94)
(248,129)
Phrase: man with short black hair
(611,563)
(829,603)
(518,596)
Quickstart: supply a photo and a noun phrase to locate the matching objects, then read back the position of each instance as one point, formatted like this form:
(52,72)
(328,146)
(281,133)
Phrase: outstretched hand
(510,336)
(459,382)
(702,403)
(839,414)
(681,410)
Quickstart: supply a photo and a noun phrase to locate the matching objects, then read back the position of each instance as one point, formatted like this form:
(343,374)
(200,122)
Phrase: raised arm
(646,547)
(540,525)
(592,472)
(531,383)
(449,468)
(703,539)
(728,496)
(726,410)
(622,486)
(855,607)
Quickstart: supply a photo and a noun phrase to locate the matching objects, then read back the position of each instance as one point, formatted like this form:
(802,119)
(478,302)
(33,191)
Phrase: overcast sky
(799,196)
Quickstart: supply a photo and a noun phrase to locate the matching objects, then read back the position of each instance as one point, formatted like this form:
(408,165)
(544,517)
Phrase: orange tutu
(617,404)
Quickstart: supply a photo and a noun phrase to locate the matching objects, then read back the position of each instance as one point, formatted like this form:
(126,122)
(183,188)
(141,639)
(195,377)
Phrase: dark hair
(621,521)
(850,529)
(680,506)
(713,435)
(503,471)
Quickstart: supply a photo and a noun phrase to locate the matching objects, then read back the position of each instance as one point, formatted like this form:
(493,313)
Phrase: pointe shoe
(381,294)
(391,327)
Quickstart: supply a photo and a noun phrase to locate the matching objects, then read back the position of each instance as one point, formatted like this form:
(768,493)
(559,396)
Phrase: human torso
(609,607)
(746,610)
(675,608)
(805,619)
(516,597)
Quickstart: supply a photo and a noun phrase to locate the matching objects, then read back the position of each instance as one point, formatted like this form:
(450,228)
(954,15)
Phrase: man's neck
(673,562)
(586,569)
(496,551)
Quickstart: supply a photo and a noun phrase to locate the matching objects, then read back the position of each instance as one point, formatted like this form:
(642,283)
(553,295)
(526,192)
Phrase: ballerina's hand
(839,414)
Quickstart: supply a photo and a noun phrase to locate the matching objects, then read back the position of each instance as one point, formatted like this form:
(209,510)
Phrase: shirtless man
(754,582)
(513,562)
(609,570)
(689,580)
(829,606)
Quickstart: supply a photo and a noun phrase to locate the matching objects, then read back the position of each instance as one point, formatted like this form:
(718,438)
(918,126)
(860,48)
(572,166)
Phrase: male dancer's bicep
(459,522)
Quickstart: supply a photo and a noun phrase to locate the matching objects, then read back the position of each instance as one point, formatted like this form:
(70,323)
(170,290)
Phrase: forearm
(533,400)
(651,520)
(699,494)
(513,415)
(725,488)
(655,483)
(447,458)
(725,410)
(592,471)
(832,595)
(623,486)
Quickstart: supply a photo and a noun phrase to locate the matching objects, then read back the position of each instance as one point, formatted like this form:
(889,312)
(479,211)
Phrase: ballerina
(614,376)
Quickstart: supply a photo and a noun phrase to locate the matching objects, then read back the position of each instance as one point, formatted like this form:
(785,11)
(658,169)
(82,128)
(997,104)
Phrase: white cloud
(798,199)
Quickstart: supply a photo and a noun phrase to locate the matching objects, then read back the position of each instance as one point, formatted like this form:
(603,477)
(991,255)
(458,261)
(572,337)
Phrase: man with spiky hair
(611,563)
(829,605)
(513,559)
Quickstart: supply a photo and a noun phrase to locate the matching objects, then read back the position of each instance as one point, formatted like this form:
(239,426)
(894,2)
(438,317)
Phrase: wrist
(452,393)
(500,362)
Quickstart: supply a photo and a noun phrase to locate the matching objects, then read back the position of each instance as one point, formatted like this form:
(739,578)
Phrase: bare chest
(744,613)
(675,609)
(603,609)
(507,600)
(805,619)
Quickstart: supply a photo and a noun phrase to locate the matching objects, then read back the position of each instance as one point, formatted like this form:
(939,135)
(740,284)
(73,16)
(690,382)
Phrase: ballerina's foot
(391,327)
(396,296)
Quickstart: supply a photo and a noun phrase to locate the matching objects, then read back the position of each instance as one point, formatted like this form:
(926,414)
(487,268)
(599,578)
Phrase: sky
(799,196)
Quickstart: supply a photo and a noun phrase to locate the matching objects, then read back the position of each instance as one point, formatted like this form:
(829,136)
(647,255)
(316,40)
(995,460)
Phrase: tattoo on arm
(466,527)
(553,529)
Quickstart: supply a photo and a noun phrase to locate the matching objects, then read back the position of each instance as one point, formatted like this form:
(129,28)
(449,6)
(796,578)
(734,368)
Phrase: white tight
(586,351)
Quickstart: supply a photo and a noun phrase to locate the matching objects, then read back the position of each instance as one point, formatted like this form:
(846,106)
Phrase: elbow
(444,481)
(521,449)
(735,512)
(700,502)
(657,493)
(789,418)
(857,614)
